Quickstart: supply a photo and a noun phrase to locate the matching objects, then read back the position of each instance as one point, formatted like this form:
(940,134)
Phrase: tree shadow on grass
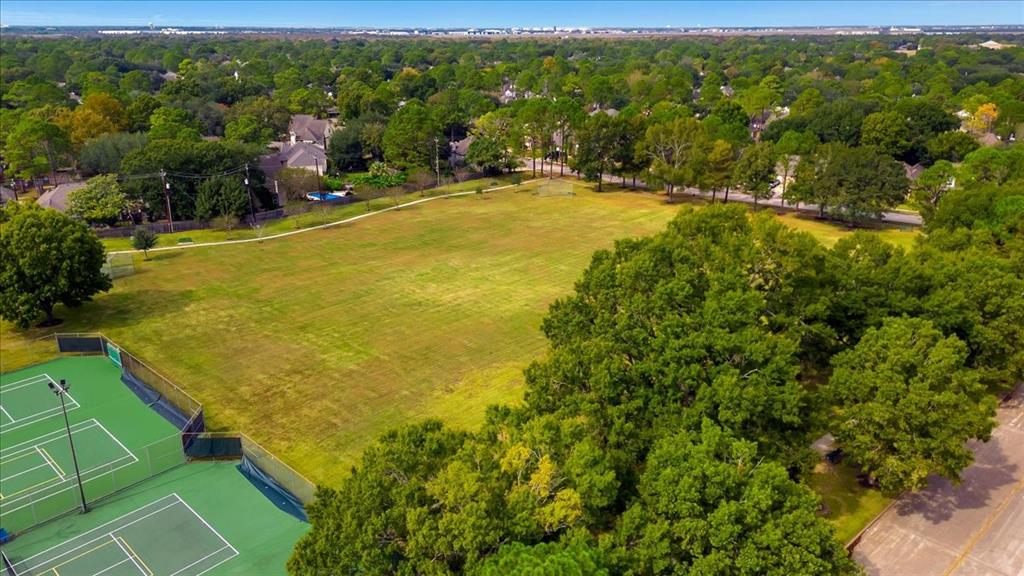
(114,310)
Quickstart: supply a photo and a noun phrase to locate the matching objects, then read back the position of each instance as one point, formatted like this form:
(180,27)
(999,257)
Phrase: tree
(103,155)
(248,128)
(597,145)
(709,505)
(951,146)
(487,155)
(930,185)
(100,201)
(905,404)
(886,131)
(793,144)
(676,152)
(345,149)
(46,258)
(855,183)
(755,170)
(221,196)
(983,118)
(574,558)
(380,177)
(413,137)
(173,124)
(144,239)
(720,166)
(34,146)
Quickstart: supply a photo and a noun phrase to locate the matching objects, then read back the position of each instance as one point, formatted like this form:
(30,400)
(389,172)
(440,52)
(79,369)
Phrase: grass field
(850,505)
(317,343)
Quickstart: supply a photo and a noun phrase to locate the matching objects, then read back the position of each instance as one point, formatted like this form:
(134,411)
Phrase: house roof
(298,155)
(989,139)
(912,172)
(57,198)
(308,128)
(7,195)
(461,147)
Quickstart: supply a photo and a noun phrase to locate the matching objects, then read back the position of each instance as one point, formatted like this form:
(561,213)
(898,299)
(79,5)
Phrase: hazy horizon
(455,14)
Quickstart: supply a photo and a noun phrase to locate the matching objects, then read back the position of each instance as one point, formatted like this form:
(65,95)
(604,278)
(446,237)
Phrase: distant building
(309,129)
(57,198)
(302,155)
(993,45)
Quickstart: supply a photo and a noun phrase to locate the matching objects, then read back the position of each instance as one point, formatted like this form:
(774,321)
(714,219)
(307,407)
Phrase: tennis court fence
(279,481)
(61,497)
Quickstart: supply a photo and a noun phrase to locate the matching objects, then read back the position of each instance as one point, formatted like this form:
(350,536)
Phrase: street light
(60,390)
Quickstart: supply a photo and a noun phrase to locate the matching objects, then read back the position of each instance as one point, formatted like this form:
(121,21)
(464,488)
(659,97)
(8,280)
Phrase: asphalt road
(894,217)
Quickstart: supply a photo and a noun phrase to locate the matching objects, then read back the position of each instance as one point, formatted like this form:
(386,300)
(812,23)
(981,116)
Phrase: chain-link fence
(175,405)
(54,499)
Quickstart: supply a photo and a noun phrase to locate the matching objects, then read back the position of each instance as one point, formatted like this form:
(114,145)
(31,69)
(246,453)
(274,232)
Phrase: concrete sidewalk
(974,529)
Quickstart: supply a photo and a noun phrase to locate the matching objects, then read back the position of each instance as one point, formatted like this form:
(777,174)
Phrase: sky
(471,13)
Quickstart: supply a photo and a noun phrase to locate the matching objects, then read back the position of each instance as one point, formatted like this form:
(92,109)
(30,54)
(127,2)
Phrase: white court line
(104,428)
(100,527)
(72,404)
(83,425)
(111,567)
(46,490)
(50,463)
(15,475)
(217,551)
(24,382)
(127,553)
(8,414)
(23,565)
(203,520)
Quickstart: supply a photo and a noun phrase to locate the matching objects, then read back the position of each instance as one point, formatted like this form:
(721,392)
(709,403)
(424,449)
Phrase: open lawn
(317,343)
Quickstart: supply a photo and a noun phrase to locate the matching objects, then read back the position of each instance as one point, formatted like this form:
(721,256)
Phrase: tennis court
(29,400)
(166,537)
(42,467)
(118,439)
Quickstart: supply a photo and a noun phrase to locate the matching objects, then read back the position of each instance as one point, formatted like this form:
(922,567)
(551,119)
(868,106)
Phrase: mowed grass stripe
(318,343)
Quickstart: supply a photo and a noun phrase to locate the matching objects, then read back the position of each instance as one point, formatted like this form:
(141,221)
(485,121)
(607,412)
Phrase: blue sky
(499,13)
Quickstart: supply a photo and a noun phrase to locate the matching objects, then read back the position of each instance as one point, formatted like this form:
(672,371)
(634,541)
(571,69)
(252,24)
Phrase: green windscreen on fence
(114,354)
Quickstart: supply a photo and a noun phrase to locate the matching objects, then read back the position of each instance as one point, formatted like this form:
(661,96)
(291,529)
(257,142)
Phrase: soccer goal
(555,187)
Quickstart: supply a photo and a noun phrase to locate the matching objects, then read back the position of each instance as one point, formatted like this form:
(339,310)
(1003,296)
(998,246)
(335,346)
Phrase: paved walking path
(321,226)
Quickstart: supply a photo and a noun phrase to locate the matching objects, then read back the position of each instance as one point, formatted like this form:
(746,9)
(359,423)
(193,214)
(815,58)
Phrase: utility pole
(252,211)
(167,198)
(60,390)
(437,161)
(319,191)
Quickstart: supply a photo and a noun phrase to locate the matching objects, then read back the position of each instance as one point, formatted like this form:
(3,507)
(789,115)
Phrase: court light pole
(60,390)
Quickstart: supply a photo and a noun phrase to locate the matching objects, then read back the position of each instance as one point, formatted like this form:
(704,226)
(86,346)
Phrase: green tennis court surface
(43,466)
(30,400)
(118,439)
(201,519)
(163,537)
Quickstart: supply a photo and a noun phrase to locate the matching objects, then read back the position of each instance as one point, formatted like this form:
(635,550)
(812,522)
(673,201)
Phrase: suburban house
(301,155)
(309,129)
(57,197)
